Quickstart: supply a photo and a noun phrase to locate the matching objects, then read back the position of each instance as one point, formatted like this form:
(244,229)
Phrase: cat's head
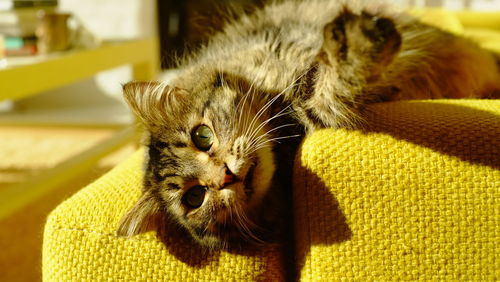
(208,163)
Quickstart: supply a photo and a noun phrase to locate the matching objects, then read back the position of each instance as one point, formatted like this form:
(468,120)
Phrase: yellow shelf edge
(28,80)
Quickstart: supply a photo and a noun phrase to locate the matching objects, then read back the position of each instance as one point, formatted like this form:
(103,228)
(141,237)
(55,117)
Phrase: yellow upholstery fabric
(481,27)
(442,18)
(80,242)
(415,196)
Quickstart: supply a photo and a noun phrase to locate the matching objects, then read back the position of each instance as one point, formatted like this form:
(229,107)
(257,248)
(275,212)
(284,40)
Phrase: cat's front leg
(356,50)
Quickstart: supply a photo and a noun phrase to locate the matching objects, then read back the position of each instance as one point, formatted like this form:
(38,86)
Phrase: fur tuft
(141,218)
(153,101)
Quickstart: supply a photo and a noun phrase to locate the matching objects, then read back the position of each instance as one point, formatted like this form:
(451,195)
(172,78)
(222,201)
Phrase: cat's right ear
(153,102)
(144,216)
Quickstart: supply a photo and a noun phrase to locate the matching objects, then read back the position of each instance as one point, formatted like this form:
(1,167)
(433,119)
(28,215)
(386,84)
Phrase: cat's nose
(228,178)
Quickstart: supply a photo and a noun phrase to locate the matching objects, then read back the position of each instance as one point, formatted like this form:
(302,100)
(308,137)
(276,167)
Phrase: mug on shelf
(58,31)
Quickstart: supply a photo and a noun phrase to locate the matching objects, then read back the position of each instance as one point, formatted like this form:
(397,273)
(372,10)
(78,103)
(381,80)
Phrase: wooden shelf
(24,77)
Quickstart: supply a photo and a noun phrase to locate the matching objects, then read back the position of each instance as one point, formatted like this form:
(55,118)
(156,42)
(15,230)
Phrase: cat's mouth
(248,181)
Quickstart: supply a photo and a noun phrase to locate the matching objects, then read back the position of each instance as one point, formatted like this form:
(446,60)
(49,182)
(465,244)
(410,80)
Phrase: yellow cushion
(480,27)
(80,242)
(441,18)
(486,38)
(416,196)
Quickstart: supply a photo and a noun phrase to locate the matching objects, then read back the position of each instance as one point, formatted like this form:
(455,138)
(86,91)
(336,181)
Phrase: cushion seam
(84,230)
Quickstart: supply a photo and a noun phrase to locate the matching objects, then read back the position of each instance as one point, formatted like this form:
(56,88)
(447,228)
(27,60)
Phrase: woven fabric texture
(416,196)
(80,242)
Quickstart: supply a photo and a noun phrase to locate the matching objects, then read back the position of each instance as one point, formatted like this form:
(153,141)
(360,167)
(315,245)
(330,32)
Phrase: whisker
(247,127)
(278,138)
(268,105)
(242,102)
(284,137)
(258,148)
(244,226)
(256,141)
(257,115)
(264,123)
(254,133)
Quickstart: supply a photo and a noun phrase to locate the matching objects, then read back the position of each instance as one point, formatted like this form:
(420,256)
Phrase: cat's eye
(203,137)
(194,197)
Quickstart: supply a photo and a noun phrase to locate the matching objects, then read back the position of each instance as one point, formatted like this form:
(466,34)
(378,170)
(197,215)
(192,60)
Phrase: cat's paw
(382,33)
(361,40)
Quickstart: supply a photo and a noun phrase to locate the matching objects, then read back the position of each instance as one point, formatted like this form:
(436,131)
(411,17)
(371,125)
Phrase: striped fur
(272,75)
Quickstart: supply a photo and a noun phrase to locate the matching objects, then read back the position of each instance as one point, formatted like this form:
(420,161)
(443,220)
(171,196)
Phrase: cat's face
(209,160)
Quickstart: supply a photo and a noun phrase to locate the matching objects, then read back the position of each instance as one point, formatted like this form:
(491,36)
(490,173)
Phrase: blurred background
(63,122)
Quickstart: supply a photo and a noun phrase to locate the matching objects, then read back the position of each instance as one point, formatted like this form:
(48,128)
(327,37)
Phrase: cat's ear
(360,40)
(144,216)
(153,102)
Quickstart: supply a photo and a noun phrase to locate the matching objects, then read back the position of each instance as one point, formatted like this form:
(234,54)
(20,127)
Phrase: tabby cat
(222,135)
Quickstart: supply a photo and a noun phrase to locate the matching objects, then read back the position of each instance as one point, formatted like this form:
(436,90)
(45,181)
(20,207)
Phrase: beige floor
(27,152)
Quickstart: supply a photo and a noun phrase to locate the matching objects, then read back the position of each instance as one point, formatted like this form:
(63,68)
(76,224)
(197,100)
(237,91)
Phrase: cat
(222,135)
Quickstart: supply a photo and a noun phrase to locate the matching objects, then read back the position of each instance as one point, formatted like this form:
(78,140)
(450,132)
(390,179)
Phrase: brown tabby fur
(271,76)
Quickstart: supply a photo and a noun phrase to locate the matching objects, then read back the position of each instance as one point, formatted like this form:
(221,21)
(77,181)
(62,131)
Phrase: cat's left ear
(154,102)
(144,216)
